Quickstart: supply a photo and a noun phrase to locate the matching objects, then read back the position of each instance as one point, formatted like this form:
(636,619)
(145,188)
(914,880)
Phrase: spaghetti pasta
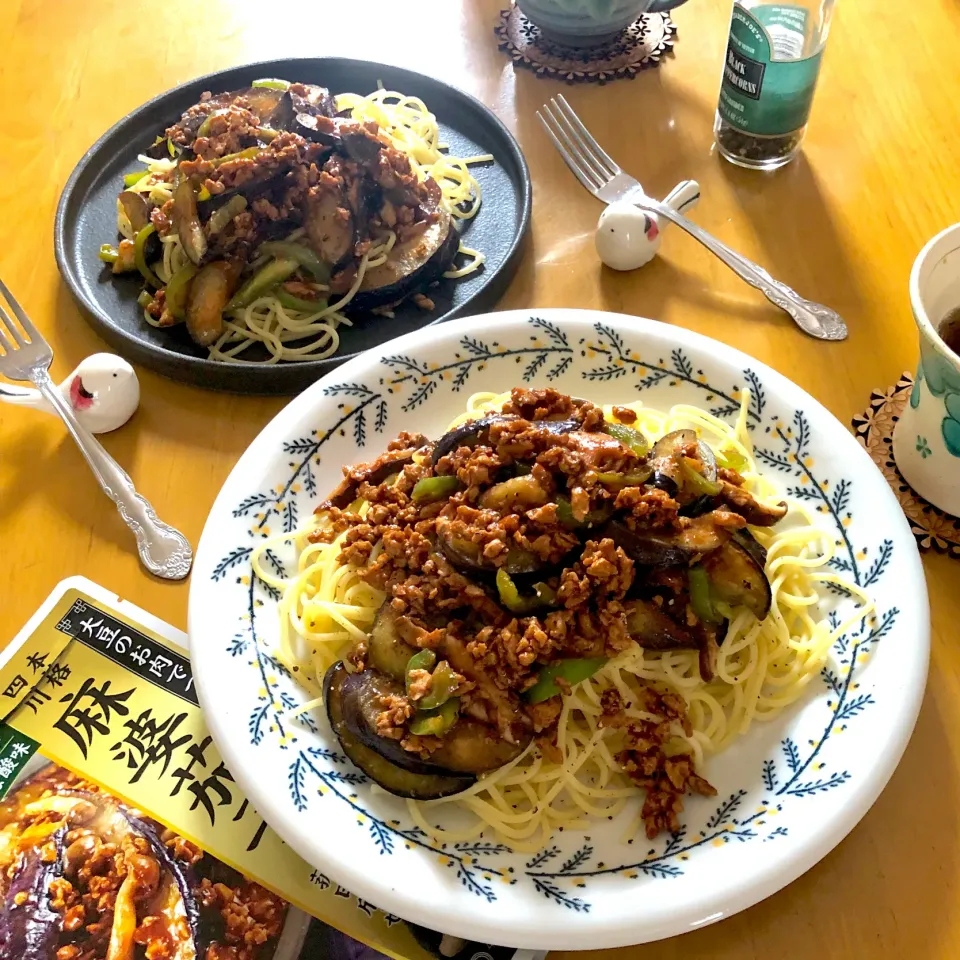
(291,334)
(762,666)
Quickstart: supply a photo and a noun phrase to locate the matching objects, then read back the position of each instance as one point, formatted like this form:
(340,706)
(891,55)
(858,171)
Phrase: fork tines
(21,338)
(590,163)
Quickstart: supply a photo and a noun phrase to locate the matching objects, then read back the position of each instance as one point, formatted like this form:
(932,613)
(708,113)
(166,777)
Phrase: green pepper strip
(272,83)
(145,298)
(140,255)
(511,599)
(291,302)
(701,598)
(204,127)
(178,288)
(442,687)
(240,155)
(223,215)
(565,513)
(422,660)
(131,179)
(733,459)
(572,671)
(629,437)
(108,253)
(566,517)
(303,255)
(171,148)
(262,282)
(437,722)
(430,489)
(636,479)
(545,594)
(697,482)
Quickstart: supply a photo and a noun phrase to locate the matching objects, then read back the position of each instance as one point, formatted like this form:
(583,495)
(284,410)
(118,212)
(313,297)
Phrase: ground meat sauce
(298,166)
(506,546)
(111,882)
(664,779)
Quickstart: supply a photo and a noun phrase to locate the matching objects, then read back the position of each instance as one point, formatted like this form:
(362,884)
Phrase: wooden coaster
(874,429)
(639,46)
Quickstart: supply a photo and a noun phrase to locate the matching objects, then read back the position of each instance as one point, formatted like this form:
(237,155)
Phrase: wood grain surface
(842,224)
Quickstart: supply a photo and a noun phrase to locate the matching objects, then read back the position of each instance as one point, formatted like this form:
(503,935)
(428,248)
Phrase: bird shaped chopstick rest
(628,237)
(103,392)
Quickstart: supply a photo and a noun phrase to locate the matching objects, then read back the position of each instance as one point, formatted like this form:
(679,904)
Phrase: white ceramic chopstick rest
(103,392)
(627,237)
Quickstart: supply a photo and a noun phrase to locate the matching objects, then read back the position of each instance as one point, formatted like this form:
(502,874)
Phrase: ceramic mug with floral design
(926,441)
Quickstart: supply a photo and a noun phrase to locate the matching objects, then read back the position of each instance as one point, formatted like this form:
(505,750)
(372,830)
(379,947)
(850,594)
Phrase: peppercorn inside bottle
(770,72)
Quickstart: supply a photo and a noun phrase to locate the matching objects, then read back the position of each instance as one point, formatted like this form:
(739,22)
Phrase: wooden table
(842,224)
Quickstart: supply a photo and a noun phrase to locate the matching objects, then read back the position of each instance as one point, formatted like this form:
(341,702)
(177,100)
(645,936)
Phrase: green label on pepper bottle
(768,84)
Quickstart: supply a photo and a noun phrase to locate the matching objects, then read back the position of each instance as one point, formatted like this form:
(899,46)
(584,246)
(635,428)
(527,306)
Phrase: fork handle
(813,318)
(164,551)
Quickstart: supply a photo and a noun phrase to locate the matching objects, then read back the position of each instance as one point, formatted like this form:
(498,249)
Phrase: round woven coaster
(641,45)
(874,428)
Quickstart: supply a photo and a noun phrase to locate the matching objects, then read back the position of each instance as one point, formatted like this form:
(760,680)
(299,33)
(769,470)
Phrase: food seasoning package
(122,831)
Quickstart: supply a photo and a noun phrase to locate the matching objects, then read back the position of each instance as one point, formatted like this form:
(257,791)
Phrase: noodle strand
(762,666)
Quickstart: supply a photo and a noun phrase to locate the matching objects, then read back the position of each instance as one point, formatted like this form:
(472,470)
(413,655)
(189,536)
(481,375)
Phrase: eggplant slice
(136,209)
(423,783)
(277,108)
(411,266)
(654,629)
(186,221)
(29,928)
(376,472)
(330,233)
(270,105)
(360,145)
(469,434)
(470,748)
(359,696)
(666,459)
(651,548)
(316,101)
(474,432)
(750,543)
(515,494)
(467,555)
(210,290)
(273,184)
(737,576)
(387,651)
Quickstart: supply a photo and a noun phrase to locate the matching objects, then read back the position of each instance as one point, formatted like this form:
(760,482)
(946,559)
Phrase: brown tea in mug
(950,330)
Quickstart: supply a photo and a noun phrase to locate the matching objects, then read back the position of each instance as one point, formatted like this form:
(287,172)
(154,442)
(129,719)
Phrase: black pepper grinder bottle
(770,72)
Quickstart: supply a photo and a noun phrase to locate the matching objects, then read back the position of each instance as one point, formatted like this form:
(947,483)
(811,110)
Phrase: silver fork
(594,168)
(25,355)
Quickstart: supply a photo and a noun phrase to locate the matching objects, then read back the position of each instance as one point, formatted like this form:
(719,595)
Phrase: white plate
(788,792)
